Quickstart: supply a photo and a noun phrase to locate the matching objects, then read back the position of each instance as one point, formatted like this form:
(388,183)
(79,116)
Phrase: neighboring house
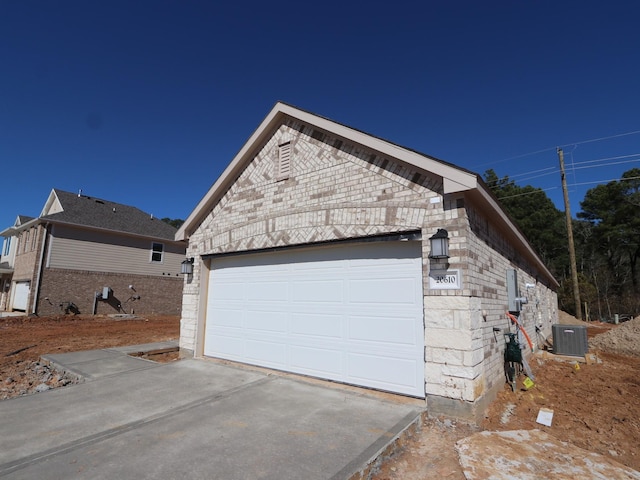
(7,262)
(91,256)
(312,254)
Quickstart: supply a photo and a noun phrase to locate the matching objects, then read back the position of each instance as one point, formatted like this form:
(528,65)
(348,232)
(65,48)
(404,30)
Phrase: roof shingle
(98,213)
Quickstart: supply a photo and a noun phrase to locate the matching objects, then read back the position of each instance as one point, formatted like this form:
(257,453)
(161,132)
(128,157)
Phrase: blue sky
(146,102)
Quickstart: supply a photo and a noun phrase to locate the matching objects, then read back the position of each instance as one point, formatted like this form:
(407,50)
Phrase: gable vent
(284,161)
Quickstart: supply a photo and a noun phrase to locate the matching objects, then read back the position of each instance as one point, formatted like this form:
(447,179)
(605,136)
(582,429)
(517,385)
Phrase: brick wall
(158,294)
(336,191)
(490,255)
(27,259)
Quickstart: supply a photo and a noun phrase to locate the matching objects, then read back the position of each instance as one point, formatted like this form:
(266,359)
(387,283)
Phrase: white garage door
(350,313)
(20,296)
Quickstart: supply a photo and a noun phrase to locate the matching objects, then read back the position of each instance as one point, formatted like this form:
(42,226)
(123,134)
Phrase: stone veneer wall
(470,364)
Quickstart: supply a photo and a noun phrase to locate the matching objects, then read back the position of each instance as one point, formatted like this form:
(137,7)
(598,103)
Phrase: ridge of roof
(83,210)
(455,179)
(383,139)
(23,219)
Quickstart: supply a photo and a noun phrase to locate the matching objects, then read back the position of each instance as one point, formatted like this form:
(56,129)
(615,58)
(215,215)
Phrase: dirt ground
(24,339)
(596,406)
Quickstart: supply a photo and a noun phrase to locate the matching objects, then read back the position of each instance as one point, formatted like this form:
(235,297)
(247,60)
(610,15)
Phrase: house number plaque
(444,280)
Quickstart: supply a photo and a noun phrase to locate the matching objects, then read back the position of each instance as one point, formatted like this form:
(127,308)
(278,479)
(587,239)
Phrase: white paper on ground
(545,416)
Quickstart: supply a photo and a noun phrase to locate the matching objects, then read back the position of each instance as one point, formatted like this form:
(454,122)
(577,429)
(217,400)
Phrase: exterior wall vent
(570,340)
(284,161)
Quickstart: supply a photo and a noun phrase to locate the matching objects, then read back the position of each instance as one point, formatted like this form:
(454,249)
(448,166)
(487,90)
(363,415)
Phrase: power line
(608,158)
(601,138)
(606,164)
(535,171)
(635,132)
(606,181)
(517,156)
(524,174)
(537,190)
(575,166)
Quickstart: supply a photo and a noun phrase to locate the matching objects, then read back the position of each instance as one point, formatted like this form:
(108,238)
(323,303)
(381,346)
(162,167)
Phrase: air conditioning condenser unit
(570,340)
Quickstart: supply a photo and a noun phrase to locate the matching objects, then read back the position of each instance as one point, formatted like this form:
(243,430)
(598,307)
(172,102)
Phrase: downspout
(40,268)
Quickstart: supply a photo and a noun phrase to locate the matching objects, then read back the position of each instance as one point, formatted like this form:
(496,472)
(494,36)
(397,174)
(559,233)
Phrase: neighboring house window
(284,161)
(34,238)
(157,252)
(7,246)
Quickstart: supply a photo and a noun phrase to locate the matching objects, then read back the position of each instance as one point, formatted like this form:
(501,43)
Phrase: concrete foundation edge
(468,411)
(363,468)
(185,353)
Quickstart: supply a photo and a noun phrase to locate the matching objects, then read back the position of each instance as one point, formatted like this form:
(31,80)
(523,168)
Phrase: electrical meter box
(570,340)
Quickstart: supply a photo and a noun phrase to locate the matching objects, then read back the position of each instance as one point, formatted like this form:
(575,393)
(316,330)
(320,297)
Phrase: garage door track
(195,419)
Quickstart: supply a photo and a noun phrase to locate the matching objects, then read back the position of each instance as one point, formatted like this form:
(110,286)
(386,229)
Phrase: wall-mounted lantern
(186,267)
(439,244)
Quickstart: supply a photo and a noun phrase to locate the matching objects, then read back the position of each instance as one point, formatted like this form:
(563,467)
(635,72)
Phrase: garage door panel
(383,291)
(383,330)
(228,291)
(316,361)
(383,372)
(227,317)
(316,325)
(272,354)
(265,320)
(350,313)
(326,268)
(225,346)
(319,291)
(267,291)
(20,295)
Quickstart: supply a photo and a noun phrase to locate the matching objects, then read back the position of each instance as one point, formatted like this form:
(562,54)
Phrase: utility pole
(572,248)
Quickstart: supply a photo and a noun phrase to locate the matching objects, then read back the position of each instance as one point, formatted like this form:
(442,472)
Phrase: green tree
(537,217)
(613,213)
(176,222)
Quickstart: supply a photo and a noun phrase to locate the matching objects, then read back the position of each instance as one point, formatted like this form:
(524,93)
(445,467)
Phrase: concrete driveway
(193,419)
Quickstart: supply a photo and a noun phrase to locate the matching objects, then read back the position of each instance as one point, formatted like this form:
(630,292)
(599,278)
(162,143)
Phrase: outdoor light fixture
(186,267)
(439,244)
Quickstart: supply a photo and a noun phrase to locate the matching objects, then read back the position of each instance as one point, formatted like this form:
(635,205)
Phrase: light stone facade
(339,190)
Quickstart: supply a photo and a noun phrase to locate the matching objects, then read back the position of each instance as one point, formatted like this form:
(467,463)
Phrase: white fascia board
(227,175)
(47,205)
(454,179)
(450,185)
(502,216)
(12,231)
(8,232)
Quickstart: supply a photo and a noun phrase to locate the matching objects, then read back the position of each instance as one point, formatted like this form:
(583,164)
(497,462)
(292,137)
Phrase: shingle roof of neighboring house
(20,221)
(23,219)
(87,211)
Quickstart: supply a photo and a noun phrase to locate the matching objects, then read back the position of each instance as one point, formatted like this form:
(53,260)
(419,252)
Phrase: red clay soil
(596,407)
(24,339)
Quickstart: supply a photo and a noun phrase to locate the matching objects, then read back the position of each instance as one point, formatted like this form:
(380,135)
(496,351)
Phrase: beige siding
(105,252)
